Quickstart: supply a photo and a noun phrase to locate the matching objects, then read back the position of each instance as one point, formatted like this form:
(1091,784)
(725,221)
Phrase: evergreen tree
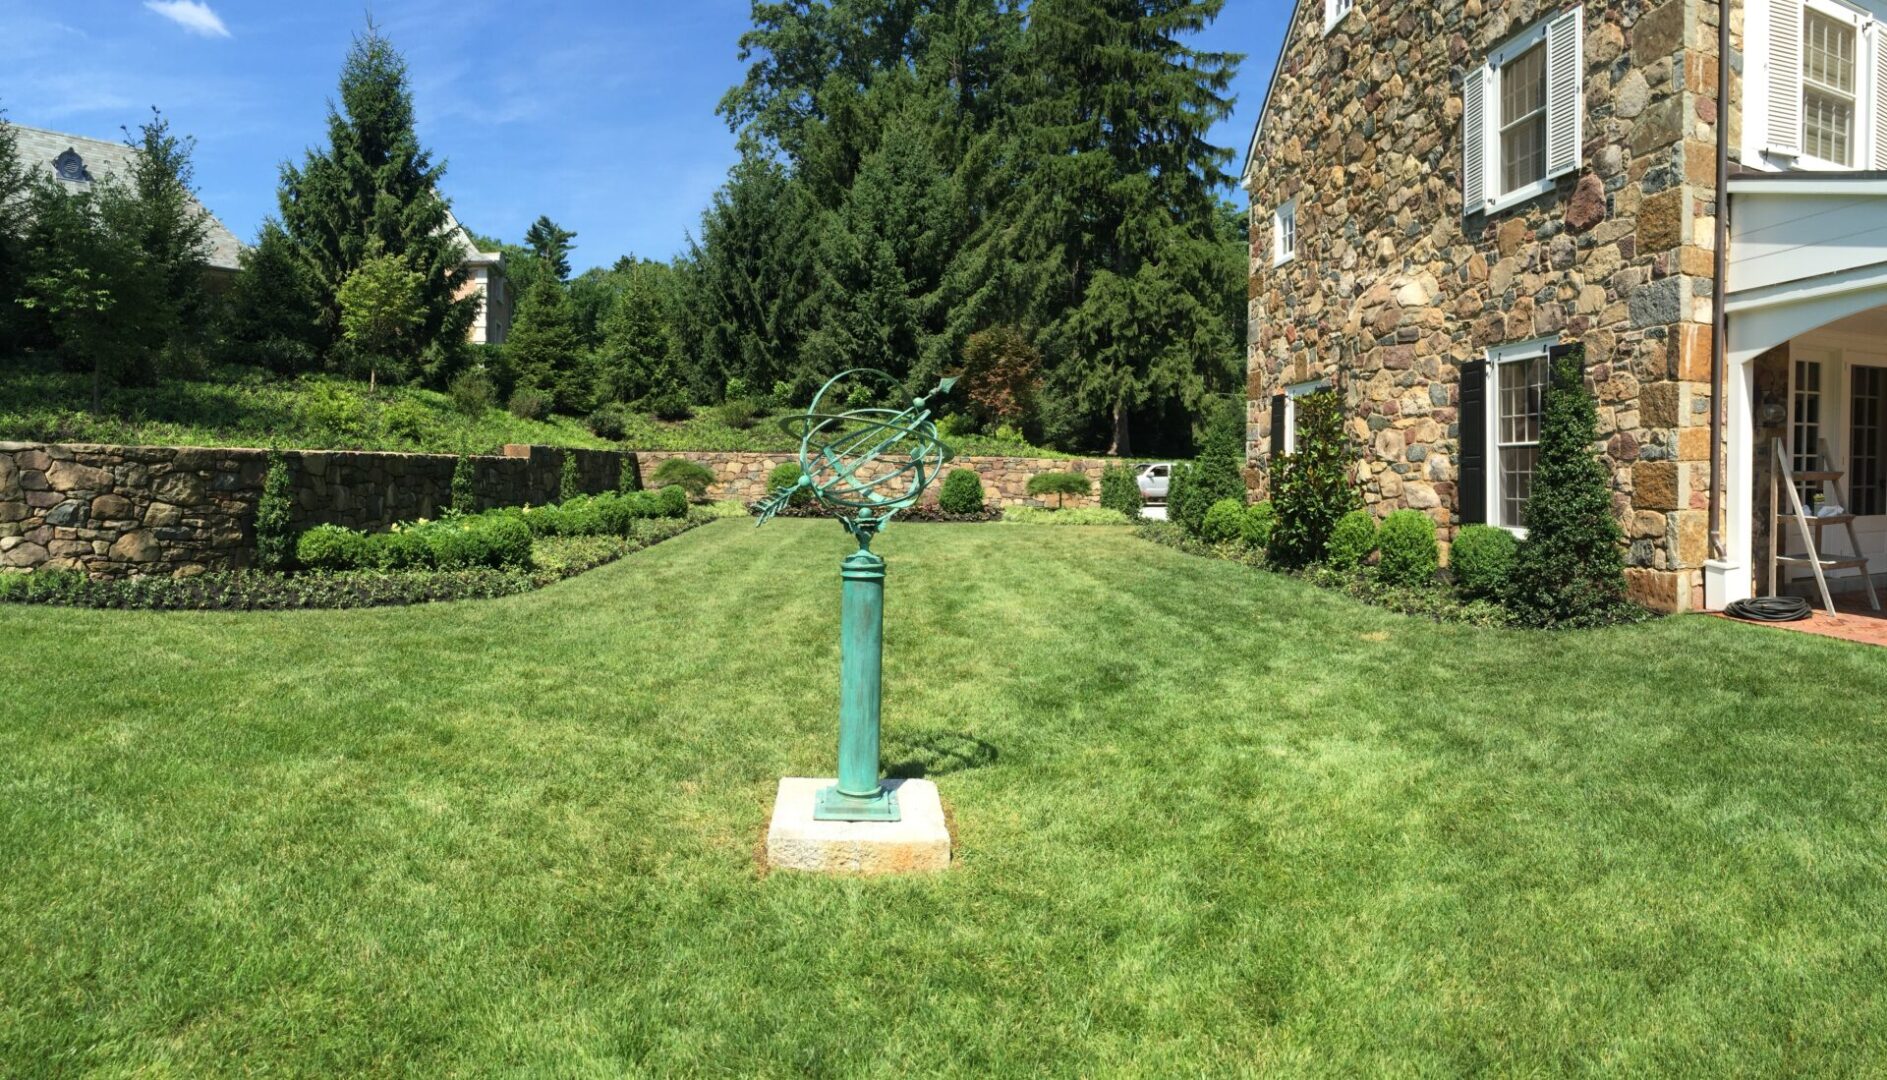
(1122,204)
(1570,569)
(639,360)
(374,190)
(747,283)
(15,192)
(171,230)
(550,243)
(545,351)
(271,310)
(882,261)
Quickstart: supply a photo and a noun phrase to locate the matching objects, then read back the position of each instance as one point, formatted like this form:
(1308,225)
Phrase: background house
(485,276)
(76,160)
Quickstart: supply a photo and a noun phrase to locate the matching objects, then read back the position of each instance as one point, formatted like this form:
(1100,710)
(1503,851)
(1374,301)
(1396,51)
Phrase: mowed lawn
(1208,820)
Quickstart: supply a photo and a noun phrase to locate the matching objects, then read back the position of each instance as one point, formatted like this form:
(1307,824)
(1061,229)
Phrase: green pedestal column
(858,796)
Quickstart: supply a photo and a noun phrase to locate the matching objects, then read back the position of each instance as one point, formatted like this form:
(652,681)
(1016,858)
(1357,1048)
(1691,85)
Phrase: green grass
(244,407)
(1208,820)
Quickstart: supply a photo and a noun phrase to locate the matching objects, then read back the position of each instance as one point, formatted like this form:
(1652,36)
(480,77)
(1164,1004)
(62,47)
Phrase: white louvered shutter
(1474,141)
(1565,92)
(1783,128)
(1879,35)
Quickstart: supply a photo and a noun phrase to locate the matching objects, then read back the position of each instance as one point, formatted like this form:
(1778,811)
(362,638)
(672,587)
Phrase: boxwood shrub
(1482,560)
(1352,541)
(333,547)
(1260,519)
(1224,522)
(1120,490)
(962,492)
(1409,555)
(786,474)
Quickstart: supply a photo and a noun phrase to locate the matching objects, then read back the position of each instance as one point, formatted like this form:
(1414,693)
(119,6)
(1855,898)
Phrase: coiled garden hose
(1769,609)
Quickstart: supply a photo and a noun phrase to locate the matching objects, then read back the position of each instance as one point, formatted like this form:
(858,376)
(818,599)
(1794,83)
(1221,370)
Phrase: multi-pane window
(1805,431)
(1828,94)
(1284,233)
(1867,442)
(1335,10)
(1519,392)
(1522,82)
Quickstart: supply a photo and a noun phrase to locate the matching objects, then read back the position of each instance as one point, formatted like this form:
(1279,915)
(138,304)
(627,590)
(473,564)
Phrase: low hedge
(607,514)
(258,590)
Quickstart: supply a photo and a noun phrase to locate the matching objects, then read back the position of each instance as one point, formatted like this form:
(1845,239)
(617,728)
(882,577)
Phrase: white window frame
(1283,225)
(1291,394)
(1498,59)
(1498,357)
(1860,139)
(1335,11)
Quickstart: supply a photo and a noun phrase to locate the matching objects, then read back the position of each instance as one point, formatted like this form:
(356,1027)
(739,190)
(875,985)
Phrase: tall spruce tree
(545,350)
(638,361)
(172,231)
(551,244)
(15,190)
(271,310)
(375,190)
(1122,203)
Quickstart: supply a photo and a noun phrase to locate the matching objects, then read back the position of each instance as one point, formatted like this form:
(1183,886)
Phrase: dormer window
(70,166)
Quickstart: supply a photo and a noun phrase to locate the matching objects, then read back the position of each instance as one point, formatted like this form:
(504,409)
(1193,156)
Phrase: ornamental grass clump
(1352,542)
(1570,570)
(1482,561)
(1410,556)
(962,492)
(1311,487)
(691,477)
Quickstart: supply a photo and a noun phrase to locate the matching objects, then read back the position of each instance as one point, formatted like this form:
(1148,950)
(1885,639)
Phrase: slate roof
(39,148)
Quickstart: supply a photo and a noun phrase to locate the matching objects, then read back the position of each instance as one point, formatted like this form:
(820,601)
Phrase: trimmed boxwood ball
(333,547)
(962,492)
(1260,519)
(1409,553)
(786,474)
(1352,541)
(1224,523)
(1482,560)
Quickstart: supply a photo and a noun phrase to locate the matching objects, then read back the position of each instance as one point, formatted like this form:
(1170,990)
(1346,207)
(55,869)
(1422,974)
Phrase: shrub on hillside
(1260,520)
(1570,570)
(333,547)
(275,543)
(528,403)
(1060,485)
(668,404)
(1482,561)
(1311,488)
(1120,491)
(786,474)
(687,475)
(962,492)
(1409,555)
(1224,523)
(472,393)
(608,422)
(1352,541)
(737,413)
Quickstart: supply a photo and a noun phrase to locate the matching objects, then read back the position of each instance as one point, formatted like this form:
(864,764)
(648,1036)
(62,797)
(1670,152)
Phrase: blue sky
(598,113)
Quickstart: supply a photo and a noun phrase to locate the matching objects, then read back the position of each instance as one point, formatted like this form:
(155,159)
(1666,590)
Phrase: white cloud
(193,15)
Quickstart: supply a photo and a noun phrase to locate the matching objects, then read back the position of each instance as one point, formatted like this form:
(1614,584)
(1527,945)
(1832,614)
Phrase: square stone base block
(921,841)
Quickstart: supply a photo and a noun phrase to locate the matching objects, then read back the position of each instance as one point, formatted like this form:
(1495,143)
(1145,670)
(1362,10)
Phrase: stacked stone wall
(184,510)
(1393,289)
(743,475)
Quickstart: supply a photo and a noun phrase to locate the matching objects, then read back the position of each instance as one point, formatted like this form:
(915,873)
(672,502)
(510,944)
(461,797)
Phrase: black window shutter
(1471,457)
(1277,425)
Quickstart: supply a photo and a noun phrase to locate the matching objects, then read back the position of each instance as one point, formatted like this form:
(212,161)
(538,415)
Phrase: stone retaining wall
(743,475)
(183,510)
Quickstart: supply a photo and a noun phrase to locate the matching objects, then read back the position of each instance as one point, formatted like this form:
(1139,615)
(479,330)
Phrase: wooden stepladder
(1810,525)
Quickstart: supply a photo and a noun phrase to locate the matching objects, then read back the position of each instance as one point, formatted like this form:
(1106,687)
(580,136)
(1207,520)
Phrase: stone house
(485,277)
(1446,191)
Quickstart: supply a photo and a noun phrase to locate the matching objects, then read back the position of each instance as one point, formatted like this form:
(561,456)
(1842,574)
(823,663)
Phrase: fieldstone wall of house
(184,510)
(1392,289)
(743,475)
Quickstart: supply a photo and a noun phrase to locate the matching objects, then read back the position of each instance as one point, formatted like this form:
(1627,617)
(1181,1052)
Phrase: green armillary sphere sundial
(867,463)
